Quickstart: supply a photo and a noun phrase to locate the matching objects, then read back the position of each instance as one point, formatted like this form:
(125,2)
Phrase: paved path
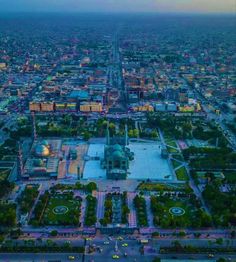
(35,203)
(83,210)
(100,205)
(149,211)
(132,215)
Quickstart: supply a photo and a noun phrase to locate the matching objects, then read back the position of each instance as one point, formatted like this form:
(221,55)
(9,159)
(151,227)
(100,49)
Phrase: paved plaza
(92,167)
(147,162)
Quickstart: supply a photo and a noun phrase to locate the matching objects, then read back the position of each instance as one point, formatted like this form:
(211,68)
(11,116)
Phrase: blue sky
(186,6)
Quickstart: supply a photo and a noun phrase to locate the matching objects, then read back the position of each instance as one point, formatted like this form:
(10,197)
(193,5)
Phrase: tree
(182,234)
(233,234)
(91,186)
(221,259)
(54,233)
(87,135)
(219,241)
(157,259)
(176,244)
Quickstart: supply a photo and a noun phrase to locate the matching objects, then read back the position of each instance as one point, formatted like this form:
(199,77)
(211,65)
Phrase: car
(124,245)
(71,257)
(211,255)
(106,242)
(115,257)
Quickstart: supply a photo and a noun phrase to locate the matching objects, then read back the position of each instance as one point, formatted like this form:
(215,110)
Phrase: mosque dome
(41,150)
(45,143)
(117,147)
(117,154)
(38,162)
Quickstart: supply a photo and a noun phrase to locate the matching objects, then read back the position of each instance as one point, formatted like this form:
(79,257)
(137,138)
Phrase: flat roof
(79,94)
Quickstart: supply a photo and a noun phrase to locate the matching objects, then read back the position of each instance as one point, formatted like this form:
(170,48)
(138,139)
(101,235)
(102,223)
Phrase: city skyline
(153,6)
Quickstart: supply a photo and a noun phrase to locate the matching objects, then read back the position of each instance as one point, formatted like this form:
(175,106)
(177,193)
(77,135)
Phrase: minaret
(20,167)
(126,135)
(34,127)
(108,134)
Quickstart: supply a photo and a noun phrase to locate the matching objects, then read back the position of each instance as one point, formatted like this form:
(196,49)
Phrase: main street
(63,257)
(126,249)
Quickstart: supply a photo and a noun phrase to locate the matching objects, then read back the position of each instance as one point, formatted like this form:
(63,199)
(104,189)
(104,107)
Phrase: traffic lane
(125,249)
(25,257)
(121,259)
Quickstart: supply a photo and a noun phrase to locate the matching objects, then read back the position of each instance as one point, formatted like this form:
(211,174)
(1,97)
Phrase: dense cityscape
(117,137)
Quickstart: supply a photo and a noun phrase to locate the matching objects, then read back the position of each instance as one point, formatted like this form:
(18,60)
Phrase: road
(65,257)
(107,247)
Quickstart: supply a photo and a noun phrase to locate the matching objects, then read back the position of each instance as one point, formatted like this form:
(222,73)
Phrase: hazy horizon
(122,6)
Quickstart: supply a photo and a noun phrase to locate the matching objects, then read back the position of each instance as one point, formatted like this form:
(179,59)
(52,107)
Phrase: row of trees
(223,205)
(77,186)
(124,209)
(90,214)
(141,210)
(210,158)
(39,209)
(108,211)
(6,187)
(7,215)
(27,198)
(41,249)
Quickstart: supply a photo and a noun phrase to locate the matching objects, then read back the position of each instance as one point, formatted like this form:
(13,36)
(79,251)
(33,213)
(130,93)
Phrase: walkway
(100,205)
(149,211)
(132,215)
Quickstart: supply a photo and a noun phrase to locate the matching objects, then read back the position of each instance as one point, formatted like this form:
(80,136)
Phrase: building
(90,107)
(44,160)
(3,66)
(116,158)
(35,106)
(47,106)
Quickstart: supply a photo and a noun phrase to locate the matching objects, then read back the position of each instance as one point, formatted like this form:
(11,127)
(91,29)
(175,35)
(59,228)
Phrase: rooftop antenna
(126,135)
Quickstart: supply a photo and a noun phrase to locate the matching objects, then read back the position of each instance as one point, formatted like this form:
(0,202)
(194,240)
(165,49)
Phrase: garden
(27,198)
(90,214)
(178,212)
(141,210)
(181,174)
(62,209)
(57,209)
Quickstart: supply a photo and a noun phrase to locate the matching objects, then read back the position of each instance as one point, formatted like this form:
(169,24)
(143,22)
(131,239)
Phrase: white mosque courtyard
(147,163)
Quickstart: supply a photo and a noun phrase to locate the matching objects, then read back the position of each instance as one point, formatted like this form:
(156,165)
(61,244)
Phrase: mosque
(43,160)
(116,156)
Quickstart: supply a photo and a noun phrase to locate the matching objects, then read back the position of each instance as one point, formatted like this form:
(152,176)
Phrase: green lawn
(178,157)
(181,174)
(164,187)
(175,163)
(164,218)
(172,150)
(4,173)
(170,143)
(231,177)
(70,217)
